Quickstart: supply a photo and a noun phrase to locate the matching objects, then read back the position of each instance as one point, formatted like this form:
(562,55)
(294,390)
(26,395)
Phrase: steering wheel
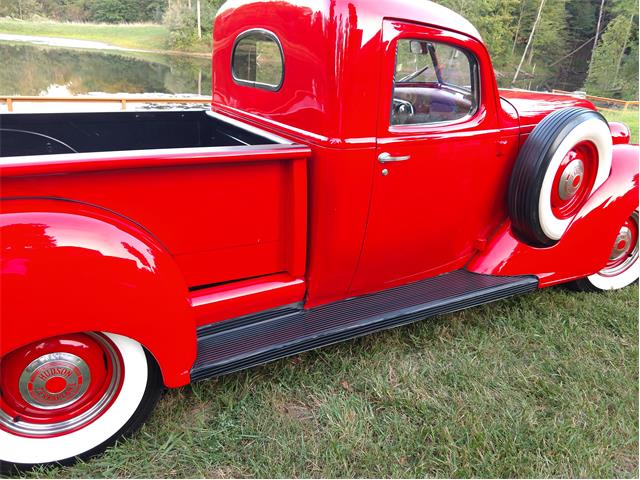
(402,110)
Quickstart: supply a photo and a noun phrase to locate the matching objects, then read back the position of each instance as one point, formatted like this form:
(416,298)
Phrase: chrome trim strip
(138,154)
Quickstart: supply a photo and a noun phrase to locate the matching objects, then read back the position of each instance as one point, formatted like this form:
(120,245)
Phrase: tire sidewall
(592,130)
(601,282)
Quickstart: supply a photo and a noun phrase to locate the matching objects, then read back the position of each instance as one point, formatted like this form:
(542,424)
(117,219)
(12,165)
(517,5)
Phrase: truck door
(437,184)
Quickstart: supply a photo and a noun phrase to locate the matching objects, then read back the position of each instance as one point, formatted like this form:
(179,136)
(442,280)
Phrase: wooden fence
(618,105)
(10,101)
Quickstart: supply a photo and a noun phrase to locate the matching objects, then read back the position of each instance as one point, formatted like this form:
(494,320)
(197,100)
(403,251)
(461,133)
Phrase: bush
(182,25)
(109,11)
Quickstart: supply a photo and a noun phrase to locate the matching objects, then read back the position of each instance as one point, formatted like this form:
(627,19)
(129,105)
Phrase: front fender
(586,245)
(69,267)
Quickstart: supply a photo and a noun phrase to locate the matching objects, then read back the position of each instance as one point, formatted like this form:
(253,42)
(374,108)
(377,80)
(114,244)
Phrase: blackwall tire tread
(584,285)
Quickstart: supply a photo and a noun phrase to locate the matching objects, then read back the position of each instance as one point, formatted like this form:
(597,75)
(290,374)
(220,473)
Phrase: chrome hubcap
(621,246)
(55,384)
(624,253)
(54,380)
(571,179)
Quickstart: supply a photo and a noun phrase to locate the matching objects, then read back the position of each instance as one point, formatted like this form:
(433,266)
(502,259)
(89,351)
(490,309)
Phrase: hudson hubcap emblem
(54,380)
(571,179)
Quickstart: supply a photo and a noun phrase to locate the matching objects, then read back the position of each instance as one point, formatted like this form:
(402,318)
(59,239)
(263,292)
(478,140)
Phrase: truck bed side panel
(222,220)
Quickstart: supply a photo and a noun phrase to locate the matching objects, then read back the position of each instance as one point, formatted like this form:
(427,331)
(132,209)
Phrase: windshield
(430,62)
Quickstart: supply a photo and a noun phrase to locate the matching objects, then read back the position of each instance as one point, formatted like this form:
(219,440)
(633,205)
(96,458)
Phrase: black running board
(232,345)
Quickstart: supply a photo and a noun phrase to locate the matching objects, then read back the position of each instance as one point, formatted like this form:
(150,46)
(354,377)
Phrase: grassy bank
(135,36)
(543,385)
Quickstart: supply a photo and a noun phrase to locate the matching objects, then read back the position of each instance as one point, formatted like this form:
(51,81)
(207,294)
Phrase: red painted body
(153,244)
(68,267)
(533,107)
(572,257)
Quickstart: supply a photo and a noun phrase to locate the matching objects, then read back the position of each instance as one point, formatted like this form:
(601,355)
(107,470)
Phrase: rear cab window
(257,60)
(433,83)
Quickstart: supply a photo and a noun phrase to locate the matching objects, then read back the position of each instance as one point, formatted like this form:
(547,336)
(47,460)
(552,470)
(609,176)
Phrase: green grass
(629,117)
(544,385)
(136,36)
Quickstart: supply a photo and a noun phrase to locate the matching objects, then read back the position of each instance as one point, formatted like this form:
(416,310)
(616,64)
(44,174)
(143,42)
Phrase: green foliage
(551,35)
(19,8)
(108,11)
(494,20)
(181,22)
(614,71)
(560,51)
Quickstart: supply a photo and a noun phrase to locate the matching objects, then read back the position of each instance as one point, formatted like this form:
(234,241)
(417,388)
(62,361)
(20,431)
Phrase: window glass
(433,83)
(257,60)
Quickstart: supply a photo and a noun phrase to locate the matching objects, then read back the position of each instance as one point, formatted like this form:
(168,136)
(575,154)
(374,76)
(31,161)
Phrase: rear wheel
(622,268)
(72,396)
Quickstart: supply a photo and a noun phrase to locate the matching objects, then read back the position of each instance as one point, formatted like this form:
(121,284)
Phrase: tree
(22,9)
(495,21)
(613,69)
(526,48)
(181,24)
(515,37)
(597,37)
(198,15)
(110,11)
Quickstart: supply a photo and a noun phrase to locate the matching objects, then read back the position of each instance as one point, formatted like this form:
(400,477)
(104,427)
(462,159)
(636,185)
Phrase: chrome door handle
(386,157)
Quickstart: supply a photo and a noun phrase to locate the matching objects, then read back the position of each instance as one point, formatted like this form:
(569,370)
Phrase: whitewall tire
(622,268)
(59,402)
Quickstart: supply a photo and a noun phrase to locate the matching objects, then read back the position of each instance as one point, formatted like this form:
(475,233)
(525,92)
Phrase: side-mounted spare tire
(566,158)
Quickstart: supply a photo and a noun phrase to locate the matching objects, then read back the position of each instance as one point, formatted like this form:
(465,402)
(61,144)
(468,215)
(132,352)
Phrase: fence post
(123,102)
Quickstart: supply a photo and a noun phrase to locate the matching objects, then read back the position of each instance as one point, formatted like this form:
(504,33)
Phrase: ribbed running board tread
(240,343)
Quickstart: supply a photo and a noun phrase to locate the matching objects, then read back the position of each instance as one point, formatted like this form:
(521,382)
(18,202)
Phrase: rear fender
(586,245)
(69,267)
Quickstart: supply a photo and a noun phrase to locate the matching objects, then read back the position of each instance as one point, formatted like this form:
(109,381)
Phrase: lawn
(629,117)
(544,385)
(152,37)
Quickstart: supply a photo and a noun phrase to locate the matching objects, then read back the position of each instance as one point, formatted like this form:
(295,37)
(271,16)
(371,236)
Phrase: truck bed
(55,133)
(228,201)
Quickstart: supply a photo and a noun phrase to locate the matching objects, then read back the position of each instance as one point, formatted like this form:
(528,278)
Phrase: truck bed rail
(121,99)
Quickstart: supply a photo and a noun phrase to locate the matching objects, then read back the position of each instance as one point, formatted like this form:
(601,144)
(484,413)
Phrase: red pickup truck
(358,170)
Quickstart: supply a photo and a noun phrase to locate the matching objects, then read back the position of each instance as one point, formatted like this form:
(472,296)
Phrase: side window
(433,82)
(257,60)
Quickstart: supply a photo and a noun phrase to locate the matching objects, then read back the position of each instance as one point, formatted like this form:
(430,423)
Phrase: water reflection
(32,70)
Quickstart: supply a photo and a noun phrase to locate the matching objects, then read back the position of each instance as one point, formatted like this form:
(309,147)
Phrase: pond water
(39,70)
